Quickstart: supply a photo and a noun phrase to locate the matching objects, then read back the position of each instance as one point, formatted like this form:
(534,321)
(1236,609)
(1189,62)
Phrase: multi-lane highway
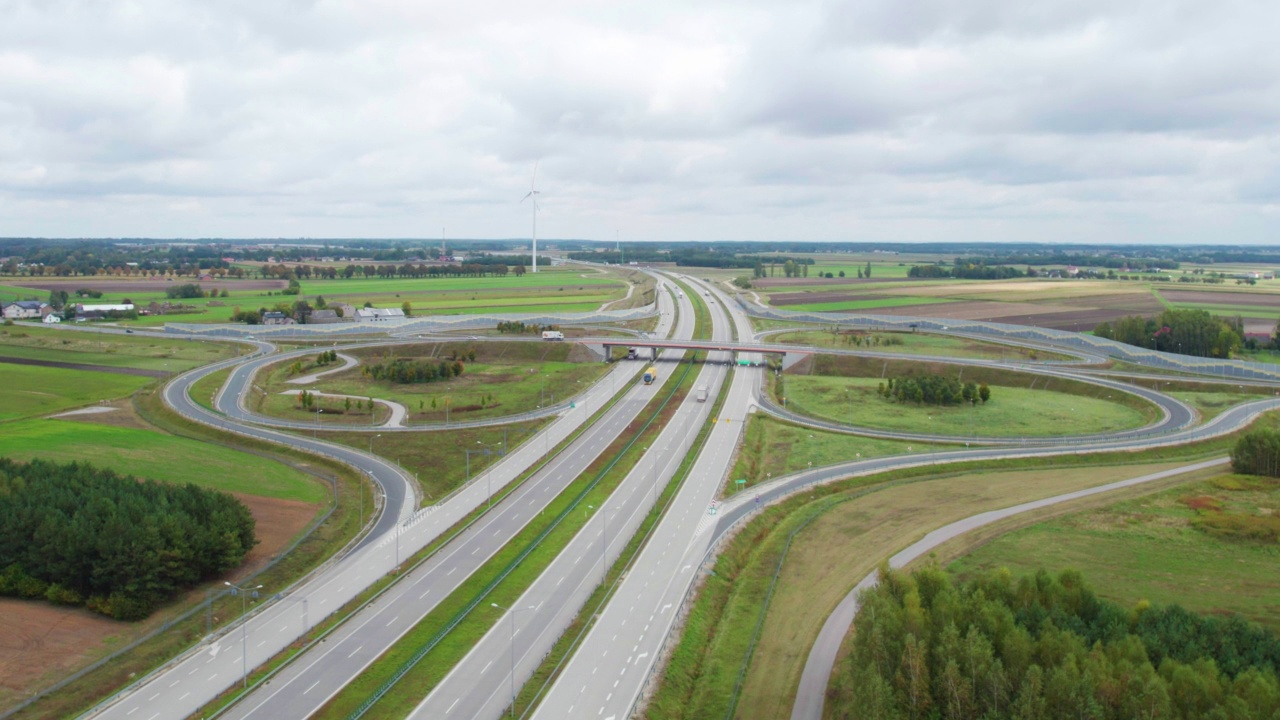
(189,682)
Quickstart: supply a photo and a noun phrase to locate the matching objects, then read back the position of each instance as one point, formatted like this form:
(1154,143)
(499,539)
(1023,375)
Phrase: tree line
(1041,647)
(967,270)
(1186,332)
(76,534)
(933,390)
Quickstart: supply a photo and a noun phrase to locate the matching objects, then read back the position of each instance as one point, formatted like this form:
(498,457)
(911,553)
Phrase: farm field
(912,344)
(1154,548)
(820,569)
(1061,304)
(90,348)
(1012,411)
(504,379)
(29,390)
(551,290)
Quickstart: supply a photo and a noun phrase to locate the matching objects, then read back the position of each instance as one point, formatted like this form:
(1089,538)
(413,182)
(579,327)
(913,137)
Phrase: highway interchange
(616,660)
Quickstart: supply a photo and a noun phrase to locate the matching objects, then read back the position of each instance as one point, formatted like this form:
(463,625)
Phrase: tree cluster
(1187,332)
(327,357)
(1045,647)
(1257,452)
(79,535)
(933,390)
(407,371)
(515,327)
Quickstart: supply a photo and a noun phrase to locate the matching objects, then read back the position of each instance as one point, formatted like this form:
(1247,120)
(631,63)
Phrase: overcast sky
(890,120)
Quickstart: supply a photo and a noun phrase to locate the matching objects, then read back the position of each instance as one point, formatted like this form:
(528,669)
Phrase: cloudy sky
(877,120)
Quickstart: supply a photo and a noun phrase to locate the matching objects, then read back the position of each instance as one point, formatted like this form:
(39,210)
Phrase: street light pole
(513,612)
(244,629)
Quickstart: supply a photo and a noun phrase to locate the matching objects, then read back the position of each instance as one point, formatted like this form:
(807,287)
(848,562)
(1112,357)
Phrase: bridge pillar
(789,359)
(600,351)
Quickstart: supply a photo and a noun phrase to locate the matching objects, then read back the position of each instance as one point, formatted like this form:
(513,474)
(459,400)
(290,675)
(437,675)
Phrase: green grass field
(158,456)
(30,391)
(148,353)
(1148,548)
(1012,412)
(1210,404)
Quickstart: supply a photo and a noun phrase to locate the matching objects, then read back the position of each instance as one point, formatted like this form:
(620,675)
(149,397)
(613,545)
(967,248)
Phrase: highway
(311,679)
(610,668)
(480,686)
(184,685)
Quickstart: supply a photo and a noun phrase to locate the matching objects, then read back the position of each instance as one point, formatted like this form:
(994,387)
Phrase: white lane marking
(313,687)
(131,712)
(455,702)
(353,652)
(392,620)
(424,594)
(486,667)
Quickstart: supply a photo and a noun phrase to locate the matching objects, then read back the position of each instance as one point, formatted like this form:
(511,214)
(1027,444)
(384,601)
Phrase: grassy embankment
(701,676)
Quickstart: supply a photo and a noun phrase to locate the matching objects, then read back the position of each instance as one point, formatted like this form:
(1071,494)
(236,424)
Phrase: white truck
(702,393)
(552,335)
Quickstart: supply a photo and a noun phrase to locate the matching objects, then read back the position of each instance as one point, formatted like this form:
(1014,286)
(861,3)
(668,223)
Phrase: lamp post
(513,612)
(604,544)
(244,627)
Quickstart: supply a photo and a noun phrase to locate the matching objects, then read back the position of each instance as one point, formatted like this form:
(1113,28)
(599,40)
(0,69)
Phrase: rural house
(26,310)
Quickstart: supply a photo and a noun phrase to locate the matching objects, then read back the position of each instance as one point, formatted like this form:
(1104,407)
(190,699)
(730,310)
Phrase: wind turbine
(533,193)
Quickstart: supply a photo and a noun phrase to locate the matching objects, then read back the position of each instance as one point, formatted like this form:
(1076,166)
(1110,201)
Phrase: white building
(379,314)
(51,318)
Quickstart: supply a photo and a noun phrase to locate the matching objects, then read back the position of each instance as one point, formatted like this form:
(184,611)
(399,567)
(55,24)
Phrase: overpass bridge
(791,354)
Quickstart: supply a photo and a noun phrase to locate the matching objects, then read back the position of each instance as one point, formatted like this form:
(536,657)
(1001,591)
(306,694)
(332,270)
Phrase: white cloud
(1148,121)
